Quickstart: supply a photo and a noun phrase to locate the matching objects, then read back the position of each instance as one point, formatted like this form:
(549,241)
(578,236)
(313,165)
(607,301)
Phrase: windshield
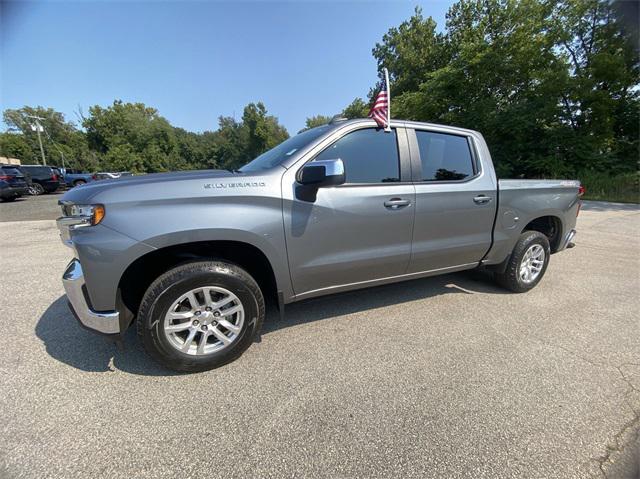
(284,150)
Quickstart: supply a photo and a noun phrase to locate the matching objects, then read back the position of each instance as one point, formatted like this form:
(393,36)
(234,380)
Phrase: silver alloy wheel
(204,320)
(36,189)
(532,263)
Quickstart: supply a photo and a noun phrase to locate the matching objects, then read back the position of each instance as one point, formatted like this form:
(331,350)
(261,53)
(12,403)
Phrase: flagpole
(386,79)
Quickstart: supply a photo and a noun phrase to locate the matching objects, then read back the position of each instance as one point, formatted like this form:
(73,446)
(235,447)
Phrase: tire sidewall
(188,279)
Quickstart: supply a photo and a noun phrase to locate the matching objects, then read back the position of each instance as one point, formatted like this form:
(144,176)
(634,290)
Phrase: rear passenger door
(455,201)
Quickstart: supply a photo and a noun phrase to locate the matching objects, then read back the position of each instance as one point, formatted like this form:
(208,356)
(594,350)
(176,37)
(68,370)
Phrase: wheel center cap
(206,317)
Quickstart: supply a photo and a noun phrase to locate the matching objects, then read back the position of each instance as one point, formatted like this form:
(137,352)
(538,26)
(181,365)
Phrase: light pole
(38,128)
(55,145)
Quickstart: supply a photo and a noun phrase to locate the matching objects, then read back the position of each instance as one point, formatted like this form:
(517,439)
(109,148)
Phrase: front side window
(444,157)
(369,156)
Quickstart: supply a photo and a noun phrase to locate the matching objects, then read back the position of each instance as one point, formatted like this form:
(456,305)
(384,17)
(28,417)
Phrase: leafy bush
(601,186)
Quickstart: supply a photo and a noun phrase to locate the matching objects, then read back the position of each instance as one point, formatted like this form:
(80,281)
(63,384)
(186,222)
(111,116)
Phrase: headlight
(88,215)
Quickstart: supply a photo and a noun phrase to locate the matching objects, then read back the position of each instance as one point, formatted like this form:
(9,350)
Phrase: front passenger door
(356,232)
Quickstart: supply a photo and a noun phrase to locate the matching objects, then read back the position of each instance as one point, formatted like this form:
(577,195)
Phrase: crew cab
(190,256)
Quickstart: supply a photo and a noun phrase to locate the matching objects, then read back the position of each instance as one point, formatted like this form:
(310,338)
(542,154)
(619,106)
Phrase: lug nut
(216,314)
(214,323)
(208,308)
(196,322)
(203,327)
(197,313)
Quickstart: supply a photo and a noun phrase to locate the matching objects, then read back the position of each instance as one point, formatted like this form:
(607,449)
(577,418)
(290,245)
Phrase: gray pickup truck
(191,256)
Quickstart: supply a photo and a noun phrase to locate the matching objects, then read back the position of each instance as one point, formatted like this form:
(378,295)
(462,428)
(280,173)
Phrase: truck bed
(521,202)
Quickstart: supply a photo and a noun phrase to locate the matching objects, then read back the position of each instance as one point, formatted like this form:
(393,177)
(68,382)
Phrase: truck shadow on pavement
(66,341)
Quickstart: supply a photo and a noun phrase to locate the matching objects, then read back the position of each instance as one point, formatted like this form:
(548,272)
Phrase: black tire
(9,199)
(36,189)
(511,279)
(174,283)
(79,182)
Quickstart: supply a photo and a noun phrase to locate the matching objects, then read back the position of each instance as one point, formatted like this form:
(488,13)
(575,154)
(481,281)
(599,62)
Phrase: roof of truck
(401,123)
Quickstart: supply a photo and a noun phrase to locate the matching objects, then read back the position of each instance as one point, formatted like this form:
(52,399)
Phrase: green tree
(261,131)
(356,109)
(133,137)
(601,98)
(314,121)
(230,141)
(552,85)
(410,51)
(238,142)
(58,138)
(14,145)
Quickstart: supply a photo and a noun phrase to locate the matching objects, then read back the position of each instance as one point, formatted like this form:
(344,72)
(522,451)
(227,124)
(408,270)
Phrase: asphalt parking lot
(441,377)
(29,208)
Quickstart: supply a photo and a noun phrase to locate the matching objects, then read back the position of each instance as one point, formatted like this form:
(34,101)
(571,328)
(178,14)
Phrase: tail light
(94,177)
(581,190)
(5,177)
(54,177)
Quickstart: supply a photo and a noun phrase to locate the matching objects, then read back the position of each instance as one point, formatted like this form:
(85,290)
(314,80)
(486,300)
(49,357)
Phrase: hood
(156,186)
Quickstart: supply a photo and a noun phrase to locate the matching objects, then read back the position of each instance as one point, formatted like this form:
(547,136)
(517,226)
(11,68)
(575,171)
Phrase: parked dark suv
(45,178)
(12,183)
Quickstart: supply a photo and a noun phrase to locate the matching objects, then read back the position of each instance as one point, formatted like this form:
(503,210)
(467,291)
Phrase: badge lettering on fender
(247,184)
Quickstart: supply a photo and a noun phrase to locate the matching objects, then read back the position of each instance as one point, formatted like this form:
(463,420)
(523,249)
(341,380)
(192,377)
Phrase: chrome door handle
(482,199)
(396,203)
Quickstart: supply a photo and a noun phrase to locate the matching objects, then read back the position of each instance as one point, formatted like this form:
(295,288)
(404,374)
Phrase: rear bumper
(100,322)
(568,240)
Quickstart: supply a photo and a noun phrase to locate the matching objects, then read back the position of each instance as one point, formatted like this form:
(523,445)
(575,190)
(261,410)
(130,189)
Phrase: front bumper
(66,224)
(101,322)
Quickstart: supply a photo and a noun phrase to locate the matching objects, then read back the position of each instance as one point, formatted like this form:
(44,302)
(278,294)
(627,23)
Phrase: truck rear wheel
(528,263)
(200,315)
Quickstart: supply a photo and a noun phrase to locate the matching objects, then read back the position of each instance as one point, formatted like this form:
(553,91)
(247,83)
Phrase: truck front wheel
(528,263)
(200,315)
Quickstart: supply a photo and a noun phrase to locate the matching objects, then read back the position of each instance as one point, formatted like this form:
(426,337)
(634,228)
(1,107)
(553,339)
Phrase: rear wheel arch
(549,225)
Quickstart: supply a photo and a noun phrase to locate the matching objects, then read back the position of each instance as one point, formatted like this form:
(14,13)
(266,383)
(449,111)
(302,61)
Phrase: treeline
(553,86)
(134,137)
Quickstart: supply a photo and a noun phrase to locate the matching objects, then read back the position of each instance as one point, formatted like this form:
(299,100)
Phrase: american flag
(380,107)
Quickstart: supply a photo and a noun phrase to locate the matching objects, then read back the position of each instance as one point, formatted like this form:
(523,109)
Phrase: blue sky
(195,61)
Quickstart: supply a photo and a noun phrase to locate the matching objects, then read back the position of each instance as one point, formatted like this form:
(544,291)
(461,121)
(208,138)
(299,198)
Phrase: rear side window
(444,157)
(369,156)
(10,171)
(38,170)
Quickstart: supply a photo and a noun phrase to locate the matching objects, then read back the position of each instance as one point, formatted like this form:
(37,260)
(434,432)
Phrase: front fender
(254,219)
(272,248)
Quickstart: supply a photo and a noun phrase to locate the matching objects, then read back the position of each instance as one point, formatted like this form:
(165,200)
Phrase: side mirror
(322,173)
